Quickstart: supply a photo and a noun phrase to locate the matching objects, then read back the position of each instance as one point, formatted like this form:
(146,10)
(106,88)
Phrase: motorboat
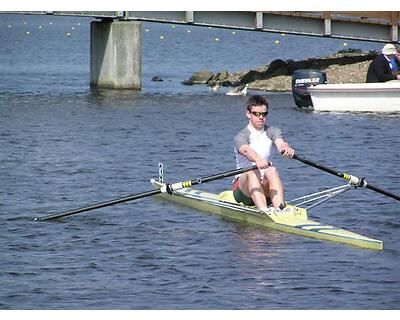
(367,97)
(311,90)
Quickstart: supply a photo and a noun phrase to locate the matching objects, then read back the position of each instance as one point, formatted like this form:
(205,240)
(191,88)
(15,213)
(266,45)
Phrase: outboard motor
(303,79)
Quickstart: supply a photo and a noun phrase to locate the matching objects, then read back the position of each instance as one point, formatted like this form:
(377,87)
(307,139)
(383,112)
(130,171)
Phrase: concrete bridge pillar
(115,54)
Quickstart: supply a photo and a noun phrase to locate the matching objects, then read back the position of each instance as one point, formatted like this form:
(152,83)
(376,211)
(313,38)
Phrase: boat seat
(227,196)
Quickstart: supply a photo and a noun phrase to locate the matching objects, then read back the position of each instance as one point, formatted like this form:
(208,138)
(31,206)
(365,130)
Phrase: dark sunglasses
(258,114)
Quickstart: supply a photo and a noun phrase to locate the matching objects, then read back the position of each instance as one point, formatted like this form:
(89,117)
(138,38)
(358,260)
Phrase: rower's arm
(284,148)
(253,156)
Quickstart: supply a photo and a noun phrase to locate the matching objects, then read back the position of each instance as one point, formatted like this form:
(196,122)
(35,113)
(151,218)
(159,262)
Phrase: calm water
(64,146)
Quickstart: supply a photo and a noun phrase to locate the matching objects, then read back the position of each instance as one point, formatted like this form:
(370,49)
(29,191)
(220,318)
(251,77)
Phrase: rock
(156,78)
(345,66)
(250,76)
(276,68)
(277,84)
(220,77)
(202,77)
(225,83)
(325,62)
(188,82)
(296,65)
(351,73)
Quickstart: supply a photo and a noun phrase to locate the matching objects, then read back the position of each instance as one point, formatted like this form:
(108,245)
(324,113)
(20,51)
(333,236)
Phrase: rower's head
(257,111)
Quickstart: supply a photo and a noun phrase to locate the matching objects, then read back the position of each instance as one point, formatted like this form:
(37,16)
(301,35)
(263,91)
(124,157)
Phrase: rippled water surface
(64,146)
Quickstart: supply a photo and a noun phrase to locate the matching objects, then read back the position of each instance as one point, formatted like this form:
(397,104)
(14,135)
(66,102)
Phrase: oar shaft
(99,205)
(384,192)
(222,175)
(174,186)
(318,166)
(346,177)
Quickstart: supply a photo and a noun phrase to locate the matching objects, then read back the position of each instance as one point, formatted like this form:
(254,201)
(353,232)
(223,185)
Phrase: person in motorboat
(255,144)
(381,68)
(395,63)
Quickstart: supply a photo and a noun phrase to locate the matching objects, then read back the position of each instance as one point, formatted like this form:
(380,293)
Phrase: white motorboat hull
(357,97)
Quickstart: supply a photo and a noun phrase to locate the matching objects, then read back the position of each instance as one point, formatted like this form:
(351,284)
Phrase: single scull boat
(293,219)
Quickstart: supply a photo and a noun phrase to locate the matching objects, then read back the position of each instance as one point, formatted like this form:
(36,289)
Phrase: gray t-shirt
(261,141)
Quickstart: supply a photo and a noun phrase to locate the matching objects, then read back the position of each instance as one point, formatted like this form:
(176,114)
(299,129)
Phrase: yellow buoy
(147,30)
(162,37)
(216,39)
(68,34)
(345,44)
(233,32)
(282,34)
(276,41)
(28,33)
(189,31)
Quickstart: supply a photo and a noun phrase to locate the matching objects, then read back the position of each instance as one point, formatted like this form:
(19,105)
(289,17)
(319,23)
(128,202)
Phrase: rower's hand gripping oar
(167,188)
(355,181)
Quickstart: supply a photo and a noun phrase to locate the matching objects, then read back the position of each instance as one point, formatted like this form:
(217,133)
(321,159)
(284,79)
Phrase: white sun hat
(389,49)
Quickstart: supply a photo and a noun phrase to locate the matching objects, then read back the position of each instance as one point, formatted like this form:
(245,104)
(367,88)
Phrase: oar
(167,188)
(356,181)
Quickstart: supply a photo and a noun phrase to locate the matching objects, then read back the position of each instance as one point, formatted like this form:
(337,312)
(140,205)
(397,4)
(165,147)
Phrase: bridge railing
(382,26)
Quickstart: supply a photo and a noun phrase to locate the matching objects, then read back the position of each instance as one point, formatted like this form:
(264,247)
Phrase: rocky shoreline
(345,66)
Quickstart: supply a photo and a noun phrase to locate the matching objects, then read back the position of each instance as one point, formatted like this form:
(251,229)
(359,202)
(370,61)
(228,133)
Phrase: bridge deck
(381,26)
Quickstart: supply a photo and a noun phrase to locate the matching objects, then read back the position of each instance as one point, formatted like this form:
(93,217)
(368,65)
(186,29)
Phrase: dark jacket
(379,70)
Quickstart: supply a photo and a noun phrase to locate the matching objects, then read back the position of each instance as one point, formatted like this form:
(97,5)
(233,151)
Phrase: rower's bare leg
(273,187)
(250,184)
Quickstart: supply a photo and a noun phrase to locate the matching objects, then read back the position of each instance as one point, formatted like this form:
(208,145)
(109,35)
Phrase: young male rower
(255,144)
